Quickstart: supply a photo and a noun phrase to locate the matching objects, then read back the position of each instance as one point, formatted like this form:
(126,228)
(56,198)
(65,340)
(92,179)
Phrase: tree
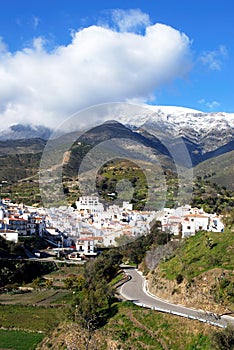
(74,282)
(229,218)
(93,302)
(223,340)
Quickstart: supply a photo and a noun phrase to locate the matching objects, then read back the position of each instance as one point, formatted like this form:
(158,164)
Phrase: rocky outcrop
(199,293)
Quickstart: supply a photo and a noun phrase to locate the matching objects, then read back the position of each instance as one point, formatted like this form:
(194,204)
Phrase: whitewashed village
(77,234)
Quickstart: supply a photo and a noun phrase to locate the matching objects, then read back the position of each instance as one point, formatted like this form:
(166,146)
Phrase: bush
(223,340)
(179,278)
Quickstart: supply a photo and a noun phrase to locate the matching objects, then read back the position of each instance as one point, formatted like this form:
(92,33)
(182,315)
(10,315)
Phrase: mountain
(188,136)
(19,132)
(202,133)
(110,131)
(178,135)
(218,169)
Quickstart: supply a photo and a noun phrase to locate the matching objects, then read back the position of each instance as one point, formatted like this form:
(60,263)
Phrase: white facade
(216,224)
(89,204)
(193,223)
(1,214)
(186,221)
(85,246)
(9,235)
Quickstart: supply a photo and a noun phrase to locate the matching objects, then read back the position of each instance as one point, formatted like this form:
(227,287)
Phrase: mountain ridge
(210,130)
(201,136)
(25,131)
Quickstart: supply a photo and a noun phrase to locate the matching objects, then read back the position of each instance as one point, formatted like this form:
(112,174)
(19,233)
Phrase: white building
(9,235)
(89,204)
(193,223)
(186,221)
(85,246)
(172,225)
(215,224)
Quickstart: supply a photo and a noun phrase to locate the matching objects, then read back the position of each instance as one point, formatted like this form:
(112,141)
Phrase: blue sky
(57,56)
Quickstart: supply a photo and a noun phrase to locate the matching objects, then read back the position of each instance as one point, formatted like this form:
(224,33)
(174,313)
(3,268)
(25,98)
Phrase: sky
(60,56)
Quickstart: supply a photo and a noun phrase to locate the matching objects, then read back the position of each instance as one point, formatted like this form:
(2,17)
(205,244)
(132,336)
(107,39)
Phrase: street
(135,290)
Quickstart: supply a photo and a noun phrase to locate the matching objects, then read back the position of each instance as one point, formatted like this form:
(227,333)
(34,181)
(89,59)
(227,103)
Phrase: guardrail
(180,314)
(168,311)
(122,281)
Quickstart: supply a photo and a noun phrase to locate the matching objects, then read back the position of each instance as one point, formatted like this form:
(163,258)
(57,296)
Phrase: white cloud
(36,21)
(131,20)
(214,59)
(212,105)
(99,65)
(3,46)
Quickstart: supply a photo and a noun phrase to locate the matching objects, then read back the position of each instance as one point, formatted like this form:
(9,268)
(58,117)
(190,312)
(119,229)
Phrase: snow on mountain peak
(175,110)
(178,118)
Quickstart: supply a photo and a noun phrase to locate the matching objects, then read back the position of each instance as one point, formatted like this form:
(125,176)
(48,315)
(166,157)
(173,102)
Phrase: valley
(168,159)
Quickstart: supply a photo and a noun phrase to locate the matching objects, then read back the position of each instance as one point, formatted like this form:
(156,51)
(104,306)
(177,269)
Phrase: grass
(19,340)
(24,323)
(137,328)
(37,310)
(29,318)
(117,278)
(44,297)
(220,168)
(63,272)
(194,257)
(130,328)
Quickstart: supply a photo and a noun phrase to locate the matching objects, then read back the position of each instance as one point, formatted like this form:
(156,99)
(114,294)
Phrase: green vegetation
(223,340)
(218,170)
(16,272)
(30,318)
(10,249)
(131,327)
(40,297)
(195,255)
(212,188)
(23,327)
(137,328)
(134,182)
(211,197)
(85,295)
(134,252)
(30,315)
(229,218)
(26,191)
(15,167)
(19,340)
(90,305)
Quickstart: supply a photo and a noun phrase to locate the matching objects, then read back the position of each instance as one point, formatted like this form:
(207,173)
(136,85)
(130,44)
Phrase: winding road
(135,290)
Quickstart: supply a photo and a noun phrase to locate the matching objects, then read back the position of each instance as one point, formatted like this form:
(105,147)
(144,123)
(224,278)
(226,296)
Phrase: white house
(216,224)
(191,223)
(89,204)
(86,245)
(172,224)
(9,235)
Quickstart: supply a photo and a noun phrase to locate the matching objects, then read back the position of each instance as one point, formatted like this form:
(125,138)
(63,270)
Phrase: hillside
(134,328)
(154,141)
(20,158)
(219,169)
(199,274)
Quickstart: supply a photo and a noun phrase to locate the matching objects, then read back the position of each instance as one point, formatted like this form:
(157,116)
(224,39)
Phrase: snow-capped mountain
(208,130)
(205,135)
(19,131)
